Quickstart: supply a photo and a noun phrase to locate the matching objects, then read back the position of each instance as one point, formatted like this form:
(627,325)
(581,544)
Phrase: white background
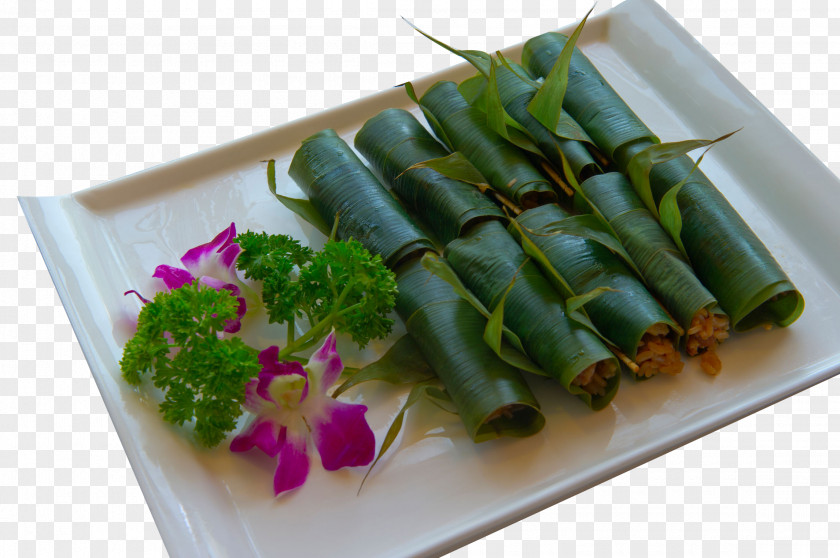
(96,90)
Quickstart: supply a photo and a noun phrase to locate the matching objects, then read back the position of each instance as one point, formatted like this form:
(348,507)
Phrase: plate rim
(550,495)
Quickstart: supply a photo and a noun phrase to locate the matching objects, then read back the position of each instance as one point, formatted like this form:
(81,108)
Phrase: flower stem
(290,332)
(314,334)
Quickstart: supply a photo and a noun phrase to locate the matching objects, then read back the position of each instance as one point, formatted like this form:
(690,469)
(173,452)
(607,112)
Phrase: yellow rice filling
(593,379)
(707,330)
(657,353)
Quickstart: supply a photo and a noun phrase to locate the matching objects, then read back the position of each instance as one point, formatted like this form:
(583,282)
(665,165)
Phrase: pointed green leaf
(533,251)
(483,94)
(302,208)
(583,319)
(414,396)
(433,121)
(495,330)
(576,302)
(456,167)
(569,175)
(516,357)
(517,70)
(441,399)
(437,265)
(495,325)
(642,163)
(501,122)
(568,128)
(559,282)
(493,106)
(480,60)
(473,90)
(547,104)
(592,228)
(404,363)
(669,209)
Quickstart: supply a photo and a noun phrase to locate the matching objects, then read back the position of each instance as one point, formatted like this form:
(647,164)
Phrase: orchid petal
(227,257)
(208,259)
(272,369)
(264,434)
(325,365)
(219,284)
(287,411)
(233,326)
(292,463)
(254,401)
(173,277)
(342,435)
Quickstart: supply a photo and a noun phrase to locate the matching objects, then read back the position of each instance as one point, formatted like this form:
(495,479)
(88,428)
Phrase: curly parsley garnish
(202,371)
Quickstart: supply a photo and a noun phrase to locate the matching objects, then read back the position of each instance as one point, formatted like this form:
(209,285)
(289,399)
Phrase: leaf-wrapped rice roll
(506,167)
(627,314)
(491,396)
(393,141)
(489,261)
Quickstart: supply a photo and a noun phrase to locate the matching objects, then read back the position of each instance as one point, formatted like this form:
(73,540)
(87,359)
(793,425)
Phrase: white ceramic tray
(442,491)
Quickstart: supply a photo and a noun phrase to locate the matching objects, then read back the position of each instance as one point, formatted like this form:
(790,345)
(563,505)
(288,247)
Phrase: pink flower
(290,403)
(213,264)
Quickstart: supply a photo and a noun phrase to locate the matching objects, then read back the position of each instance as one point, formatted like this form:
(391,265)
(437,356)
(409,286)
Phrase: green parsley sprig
(202,371)
(202,375)
(343,287)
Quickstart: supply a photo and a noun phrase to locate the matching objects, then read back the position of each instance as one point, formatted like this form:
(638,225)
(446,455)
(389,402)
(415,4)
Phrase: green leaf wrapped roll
(505,92)
(726,254)
(516,95)
(589,99)
(337,182)
(669,276)
(393,141)
(506,167)
(494,267)
(627,315)
(491,396)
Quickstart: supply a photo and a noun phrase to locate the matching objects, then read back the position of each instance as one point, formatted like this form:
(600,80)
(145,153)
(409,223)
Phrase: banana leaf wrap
(669,276)
(338,183)
(726,254)
(589,99)
(506,167)
(622,316)
(392,142)
(516,94)
(488,259)
(491,396)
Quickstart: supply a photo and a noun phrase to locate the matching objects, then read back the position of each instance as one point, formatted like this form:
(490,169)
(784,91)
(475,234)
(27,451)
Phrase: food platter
(440,492)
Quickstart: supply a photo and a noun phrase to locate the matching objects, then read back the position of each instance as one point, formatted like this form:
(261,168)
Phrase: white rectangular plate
(441,491)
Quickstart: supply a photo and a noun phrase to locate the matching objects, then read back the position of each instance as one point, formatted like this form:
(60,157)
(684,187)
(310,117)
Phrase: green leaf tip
(641,165)
(456,167)
(403,363)
(547,104)
(301,207)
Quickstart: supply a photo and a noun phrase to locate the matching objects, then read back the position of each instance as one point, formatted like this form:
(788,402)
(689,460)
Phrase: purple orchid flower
(290,403)
(214,264)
